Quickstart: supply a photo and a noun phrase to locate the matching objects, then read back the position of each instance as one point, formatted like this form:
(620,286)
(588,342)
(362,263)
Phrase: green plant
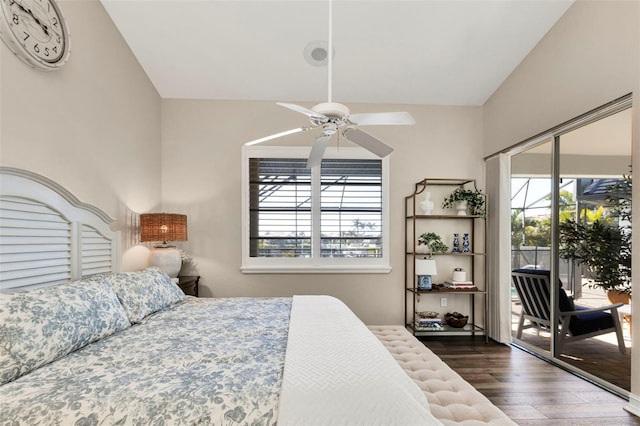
(602,247)
(619,198)
(601,242)
(433,242)
(473,198)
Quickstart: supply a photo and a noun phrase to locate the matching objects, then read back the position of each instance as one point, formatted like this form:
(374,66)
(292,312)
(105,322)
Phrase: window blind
(351,208)
(280,207)
(348,211)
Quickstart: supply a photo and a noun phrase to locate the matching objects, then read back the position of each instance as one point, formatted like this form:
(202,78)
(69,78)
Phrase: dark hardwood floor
(529,390)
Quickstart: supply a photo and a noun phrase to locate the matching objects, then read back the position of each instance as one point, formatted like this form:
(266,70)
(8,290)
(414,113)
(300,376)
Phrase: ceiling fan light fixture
(331,109)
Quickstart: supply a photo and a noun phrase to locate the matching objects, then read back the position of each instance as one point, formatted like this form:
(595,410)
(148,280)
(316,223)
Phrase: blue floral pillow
(144,292)
(40,326)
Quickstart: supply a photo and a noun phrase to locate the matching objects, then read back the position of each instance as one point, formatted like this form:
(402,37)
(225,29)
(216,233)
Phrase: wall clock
(36,32)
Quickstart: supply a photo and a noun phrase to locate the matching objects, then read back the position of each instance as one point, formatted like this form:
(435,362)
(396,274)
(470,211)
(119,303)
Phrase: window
(329,219)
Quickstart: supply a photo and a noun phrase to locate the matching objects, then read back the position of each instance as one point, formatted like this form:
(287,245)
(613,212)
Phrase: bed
(81,343)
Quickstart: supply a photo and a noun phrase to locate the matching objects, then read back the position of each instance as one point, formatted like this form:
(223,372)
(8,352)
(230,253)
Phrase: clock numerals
(41,28)
(39,31)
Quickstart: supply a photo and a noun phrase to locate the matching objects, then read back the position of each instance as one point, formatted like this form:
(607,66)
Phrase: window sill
(311,269)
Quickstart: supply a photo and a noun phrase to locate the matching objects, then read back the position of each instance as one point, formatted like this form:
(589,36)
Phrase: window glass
(280,207)
(328,219)
(351,208)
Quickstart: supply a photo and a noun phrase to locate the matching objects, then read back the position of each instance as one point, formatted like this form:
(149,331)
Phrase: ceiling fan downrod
(330,52)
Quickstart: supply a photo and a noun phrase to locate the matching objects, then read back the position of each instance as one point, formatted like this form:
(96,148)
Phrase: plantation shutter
(96,252)
(36,244)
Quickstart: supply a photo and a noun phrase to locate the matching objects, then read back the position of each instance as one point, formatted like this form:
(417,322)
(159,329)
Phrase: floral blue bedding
(200,361)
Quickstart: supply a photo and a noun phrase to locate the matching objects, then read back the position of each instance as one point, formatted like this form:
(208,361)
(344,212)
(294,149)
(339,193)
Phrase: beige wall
(590,57)
(587,59)
(93,126)
(201,160)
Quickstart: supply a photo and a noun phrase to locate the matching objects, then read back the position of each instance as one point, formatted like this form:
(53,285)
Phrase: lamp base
(424,282)
(167,259)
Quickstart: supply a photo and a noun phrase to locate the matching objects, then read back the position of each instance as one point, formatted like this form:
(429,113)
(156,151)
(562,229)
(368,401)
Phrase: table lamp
(425,268)
(164,227)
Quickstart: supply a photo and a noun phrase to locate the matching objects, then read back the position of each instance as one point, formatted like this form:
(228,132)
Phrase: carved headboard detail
(48,236)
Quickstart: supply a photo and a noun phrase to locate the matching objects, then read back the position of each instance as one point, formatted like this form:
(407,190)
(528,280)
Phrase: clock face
(36,32)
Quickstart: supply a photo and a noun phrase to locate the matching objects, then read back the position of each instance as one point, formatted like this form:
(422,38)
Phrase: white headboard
(48,236)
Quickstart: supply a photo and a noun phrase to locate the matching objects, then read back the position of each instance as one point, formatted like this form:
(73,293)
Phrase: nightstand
(189,284)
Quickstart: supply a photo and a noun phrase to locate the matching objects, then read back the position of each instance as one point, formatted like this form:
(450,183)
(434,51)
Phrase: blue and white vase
(456,244)
(466,244)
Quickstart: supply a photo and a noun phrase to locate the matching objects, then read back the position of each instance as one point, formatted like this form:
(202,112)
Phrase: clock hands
(38,32)
(30,13)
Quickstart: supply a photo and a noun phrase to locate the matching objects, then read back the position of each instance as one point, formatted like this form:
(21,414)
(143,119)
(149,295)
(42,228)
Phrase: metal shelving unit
(415,224)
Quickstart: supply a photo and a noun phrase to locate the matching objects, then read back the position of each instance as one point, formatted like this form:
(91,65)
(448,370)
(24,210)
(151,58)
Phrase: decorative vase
(456,244)
(461,206)
(466,244)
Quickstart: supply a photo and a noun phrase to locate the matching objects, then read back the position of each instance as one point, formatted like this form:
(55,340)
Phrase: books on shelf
(459,284)
(421,320)
(427,324)
(428,327)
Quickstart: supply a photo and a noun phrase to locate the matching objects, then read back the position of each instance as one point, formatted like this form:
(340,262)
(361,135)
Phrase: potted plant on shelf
(463,199)
(433,243)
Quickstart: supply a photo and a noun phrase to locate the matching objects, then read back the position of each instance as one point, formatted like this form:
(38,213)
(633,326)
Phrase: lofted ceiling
(448,52)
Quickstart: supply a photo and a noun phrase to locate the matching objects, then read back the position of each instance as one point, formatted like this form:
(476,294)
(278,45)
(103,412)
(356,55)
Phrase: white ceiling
(448,52)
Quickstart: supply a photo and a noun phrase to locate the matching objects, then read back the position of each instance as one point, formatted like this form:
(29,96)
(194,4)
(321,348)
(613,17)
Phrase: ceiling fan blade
(277,135)
(368,142)
(382,118)
(317,151)
(306,111)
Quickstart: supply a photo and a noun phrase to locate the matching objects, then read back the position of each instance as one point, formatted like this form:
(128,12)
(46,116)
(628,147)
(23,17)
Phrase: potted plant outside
(471,199)
(603,248)
(604,245)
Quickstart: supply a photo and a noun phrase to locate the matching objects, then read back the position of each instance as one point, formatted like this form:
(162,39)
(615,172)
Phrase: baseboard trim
(634,405)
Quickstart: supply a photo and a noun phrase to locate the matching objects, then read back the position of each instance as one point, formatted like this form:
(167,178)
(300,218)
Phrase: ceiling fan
(333,117)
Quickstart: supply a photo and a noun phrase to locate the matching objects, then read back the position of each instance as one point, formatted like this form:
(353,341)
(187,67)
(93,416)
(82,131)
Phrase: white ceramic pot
(462,208)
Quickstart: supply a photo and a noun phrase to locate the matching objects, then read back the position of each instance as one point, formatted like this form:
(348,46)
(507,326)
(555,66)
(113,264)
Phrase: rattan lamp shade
(163,227)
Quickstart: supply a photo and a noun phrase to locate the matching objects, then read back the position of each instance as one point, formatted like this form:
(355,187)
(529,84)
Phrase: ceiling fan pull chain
(330,52)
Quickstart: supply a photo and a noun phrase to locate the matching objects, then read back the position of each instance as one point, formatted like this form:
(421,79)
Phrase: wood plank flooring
(529,390)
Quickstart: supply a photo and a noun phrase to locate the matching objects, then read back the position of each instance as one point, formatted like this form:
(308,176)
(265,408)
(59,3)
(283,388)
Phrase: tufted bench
(452,400)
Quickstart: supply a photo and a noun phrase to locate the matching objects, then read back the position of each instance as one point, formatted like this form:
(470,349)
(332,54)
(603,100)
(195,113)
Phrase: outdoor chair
(575,322)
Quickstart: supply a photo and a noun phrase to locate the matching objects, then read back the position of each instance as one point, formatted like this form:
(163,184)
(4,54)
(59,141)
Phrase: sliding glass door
(531,215)
(570,221)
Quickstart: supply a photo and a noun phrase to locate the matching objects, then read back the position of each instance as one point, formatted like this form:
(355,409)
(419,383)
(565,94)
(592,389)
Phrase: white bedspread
(324,363)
